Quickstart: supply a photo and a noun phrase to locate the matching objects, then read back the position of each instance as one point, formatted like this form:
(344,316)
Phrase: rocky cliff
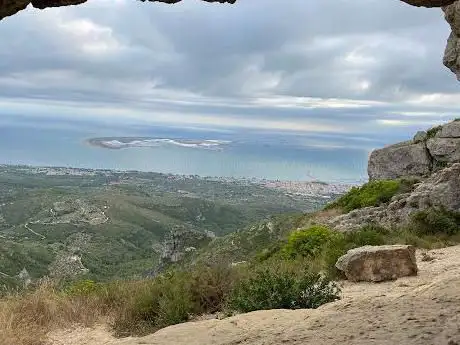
(440,191)
(452,52)
(428,152)
(433,158)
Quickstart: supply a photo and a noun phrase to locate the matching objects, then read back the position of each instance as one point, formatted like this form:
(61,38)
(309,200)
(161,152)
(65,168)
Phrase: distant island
(117,143)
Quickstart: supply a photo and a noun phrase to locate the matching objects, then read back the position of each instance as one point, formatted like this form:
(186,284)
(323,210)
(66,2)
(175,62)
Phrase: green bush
(169,299)
(307,243)
(373,193)
(435,221)
(342,242)
(369,235)
(431,133)
(209,287)
(146,306)
(82,288)
(267,289)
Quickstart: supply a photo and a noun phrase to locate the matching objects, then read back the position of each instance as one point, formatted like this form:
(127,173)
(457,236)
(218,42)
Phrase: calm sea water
(250,154)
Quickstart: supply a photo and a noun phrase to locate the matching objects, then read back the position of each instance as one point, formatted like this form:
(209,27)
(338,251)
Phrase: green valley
(103,224)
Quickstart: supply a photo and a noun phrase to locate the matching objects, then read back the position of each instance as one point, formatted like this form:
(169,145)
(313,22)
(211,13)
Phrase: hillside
(413,310)
(105,224)
(286,261)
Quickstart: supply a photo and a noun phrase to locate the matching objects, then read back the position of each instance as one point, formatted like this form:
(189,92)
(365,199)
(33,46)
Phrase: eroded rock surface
(439,191)
(419,157)
(444,150)
(378,263)
(396,161)
(452,52)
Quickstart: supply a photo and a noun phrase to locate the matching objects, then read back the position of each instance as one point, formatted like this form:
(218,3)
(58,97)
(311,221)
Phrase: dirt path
(26,225)
(421,310)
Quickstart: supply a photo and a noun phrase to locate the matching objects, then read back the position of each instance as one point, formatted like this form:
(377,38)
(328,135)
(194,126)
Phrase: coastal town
(304,188)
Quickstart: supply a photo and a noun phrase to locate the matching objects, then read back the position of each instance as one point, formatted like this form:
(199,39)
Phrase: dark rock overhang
(10,7)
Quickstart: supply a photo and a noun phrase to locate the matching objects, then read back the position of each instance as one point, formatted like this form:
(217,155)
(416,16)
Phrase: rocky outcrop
(444,150)
(408,159)
(24,277)
(452,52)
(178,242)
(420,157)
(439,191)
(378,263)
(451,130)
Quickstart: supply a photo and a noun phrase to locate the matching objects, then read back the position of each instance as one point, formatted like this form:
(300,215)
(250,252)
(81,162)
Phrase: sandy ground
(417,310)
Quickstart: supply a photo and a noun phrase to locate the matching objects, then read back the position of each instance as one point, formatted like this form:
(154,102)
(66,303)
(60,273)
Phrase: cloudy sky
(329,66)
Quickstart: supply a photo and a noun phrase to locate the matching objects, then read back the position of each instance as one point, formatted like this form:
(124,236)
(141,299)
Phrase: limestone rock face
(446,150)
(419,157)
(441,191)
(378,263)
(399,161)
(178,242)
(452,52)
(451,130)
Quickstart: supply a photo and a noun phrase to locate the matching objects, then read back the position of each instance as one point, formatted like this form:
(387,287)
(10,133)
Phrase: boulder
(403,160)
(450,130)
(445,150)
(378,263)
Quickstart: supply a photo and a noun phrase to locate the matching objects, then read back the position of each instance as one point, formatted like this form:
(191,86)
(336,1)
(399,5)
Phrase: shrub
(282,289)
(373,193)
(209,286)
(369,235)
(146,306)
(82,288)
(431,133)
(270,252)
(435,221)
(307,243)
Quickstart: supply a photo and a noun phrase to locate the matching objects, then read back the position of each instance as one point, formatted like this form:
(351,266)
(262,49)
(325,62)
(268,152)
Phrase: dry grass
(25,319)
(130,307)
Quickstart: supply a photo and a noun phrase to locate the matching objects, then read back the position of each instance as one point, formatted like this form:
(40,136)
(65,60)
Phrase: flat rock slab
(378,263)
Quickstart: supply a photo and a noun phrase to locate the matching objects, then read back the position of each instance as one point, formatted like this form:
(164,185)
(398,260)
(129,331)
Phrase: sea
(187,151)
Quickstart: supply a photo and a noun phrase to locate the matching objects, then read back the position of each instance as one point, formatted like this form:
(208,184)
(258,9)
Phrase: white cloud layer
(332,66)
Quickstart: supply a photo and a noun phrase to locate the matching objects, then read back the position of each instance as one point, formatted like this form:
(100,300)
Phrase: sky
(345,67)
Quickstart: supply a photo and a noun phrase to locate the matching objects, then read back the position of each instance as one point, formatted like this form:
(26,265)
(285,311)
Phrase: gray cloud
(260,59)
